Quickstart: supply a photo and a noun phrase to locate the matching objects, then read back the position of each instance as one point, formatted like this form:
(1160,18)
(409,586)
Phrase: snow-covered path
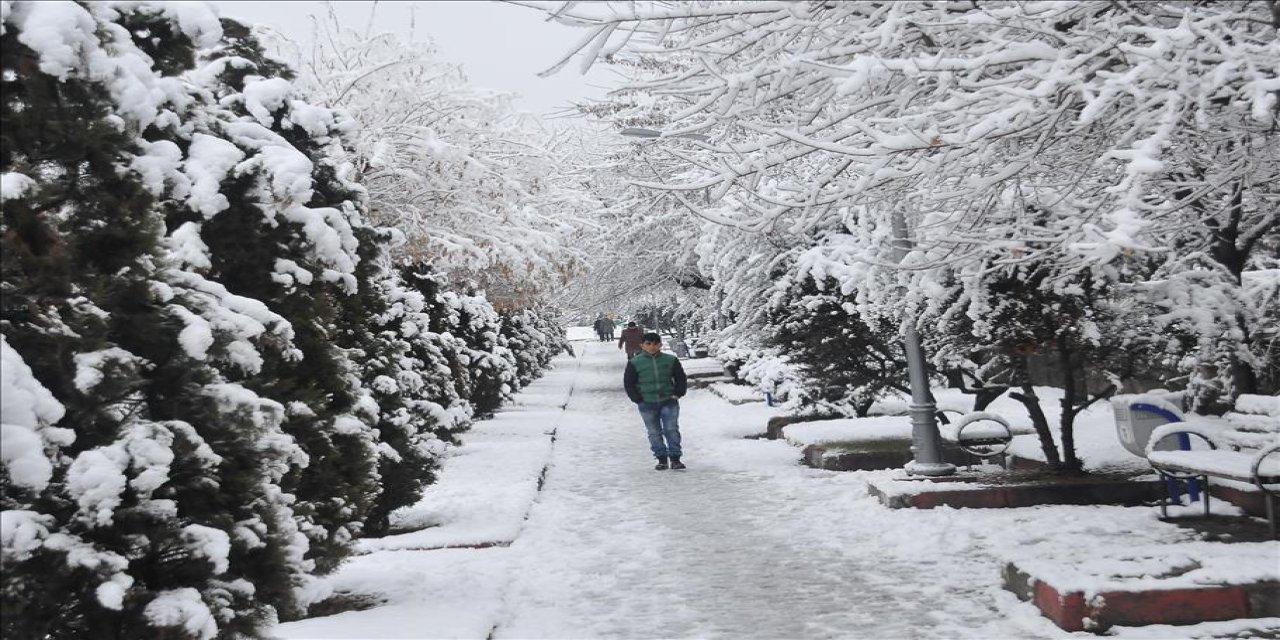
(746,543)
(616,549)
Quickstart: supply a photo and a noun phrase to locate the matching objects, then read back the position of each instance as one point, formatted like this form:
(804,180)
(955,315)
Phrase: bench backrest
(1136,420)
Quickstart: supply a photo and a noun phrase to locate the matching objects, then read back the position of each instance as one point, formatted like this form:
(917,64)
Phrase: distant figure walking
(655,381)
(604,328)
(630,339)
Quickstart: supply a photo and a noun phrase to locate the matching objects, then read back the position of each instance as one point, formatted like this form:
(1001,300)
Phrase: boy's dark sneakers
(662,465)
(676,464)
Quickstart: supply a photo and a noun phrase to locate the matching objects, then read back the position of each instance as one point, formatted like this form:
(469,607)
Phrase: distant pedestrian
(630,340)
(655,381)
(604,328)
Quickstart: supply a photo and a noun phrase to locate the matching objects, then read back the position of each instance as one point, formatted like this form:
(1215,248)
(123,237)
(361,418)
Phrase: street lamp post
(926,448)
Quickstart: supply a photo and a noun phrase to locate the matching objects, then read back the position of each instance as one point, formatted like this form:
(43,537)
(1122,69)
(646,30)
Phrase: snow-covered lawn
(745,544)
(1095,431)
(736,393)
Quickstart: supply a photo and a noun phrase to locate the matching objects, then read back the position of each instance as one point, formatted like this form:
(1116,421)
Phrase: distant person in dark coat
(604,328)
(630,339)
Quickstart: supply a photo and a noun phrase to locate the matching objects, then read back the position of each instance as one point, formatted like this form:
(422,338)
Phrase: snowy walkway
(616,549)
(745,544)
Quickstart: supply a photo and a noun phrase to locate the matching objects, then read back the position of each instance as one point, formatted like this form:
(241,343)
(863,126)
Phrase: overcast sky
(500,46)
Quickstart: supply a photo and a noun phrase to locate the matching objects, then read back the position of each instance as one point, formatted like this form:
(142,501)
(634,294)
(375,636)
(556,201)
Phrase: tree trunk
(1029,400)
(984,397)
(1071,463)
(863,408)
(1244,378)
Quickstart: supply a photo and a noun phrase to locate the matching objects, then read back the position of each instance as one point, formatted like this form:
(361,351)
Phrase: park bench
(1243,446)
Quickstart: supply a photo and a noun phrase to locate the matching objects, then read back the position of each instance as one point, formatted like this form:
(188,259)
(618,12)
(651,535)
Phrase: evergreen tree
(213,379)
(846,362)
(530,346)
(288,233)
(162,512)
(401,362)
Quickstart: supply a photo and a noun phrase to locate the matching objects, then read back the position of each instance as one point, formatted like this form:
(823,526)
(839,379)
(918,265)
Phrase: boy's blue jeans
(662,420)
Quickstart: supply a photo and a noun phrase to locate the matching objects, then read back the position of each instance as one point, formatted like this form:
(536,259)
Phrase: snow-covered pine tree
(150,505)
(482,352)
(534,339)
(467,331)
(846,363)
(405,369)
(288,232)
(446,383)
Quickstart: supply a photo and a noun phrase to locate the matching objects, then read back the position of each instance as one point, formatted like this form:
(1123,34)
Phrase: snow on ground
(745,544)
(506,454)
(1095,430)
(700,366)
(736,393)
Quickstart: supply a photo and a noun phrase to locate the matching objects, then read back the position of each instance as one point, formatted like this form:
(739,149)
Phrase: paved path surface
(745,544)
(615,549)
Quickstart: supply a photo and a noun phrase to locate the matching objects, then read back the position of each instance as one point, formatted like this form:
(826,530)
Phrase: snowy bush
(761,367)
(166,471)
(482,367)
(844,362)
(534,338)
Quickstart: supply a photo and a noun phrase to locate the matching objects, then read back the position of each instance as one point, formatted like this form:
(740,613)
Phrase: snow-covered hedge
(213,376)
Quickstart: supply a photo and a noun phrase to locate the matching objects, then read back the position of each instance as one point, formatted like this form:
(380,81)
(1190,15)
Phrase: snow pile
(13,185)
(849,430)
(1259,405)
(736,393)
(1143,567)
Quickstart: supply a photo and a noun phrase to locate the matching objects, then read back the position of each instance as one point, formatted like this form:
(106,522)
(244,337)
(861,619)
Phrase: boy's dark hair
(652,337)
(631,324)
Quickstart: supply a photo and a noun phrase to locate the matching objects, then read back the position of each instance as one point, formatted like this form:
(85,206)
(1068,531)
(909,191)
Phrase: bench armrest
(1164,431)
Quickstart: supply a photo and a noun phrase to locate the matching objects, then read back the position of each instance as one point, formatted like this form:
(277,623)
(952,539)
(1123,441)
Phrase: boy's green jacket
(654,378)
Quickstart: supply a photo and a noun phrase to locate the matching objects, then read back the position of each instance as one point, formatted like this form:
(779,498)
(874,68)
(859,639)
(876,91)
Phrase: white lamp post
(926,448)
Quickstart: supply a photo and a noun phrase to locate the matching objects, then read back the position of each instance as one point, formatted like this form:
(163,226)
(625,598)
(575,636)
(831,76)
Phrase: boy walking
(655,381)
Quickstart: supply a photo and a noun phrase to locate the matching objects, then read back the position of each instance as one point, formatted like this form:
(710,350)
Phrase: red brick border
(1073,612)
(1123,492)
